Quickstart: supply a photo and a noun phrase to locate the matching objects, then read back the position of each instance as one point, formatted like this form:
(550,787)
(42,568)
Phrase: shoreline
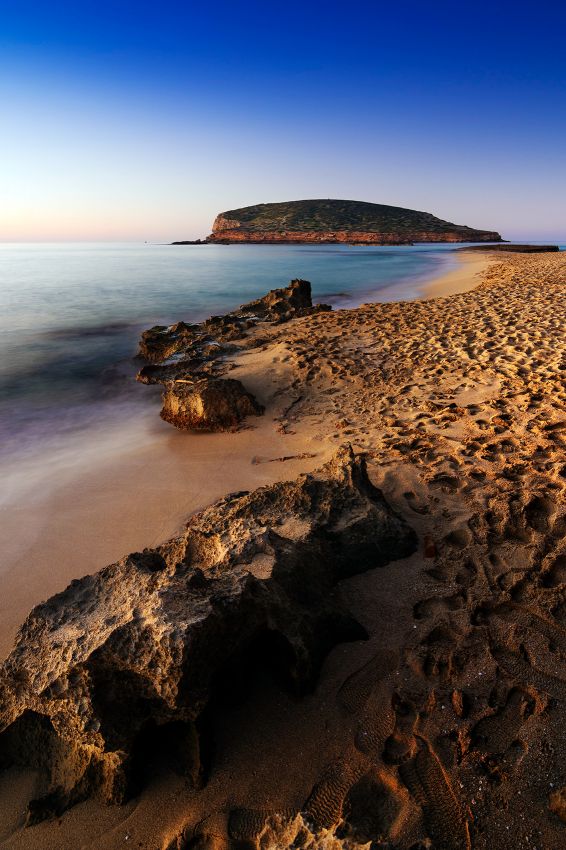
(464,278)
(74,517)
(135,497)
(460,408)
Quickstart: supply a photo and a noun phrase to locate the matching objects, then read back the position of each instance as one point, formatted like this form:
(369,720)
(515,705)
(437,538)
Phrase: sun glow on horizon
(123,126)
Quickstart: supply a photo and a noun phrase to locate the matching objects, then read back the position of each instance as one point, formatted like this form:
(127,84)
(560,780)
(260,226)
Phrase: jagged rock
(114,672)
(206,403)
(161,342)
(164,373)
(281,303)
(206,340)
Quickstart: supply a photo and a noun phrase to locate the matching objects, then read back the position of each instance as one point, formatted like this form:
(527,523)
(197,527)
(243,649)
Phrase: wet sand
(137,487)
(460,404)
(137,494)
(466,276)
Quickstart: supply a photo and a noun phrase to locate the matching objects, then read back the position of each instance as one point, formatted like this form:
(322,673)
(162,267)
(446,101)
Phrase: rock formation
(282,304)
(328,220)
(207,404)
(161,342)
(187,359)
(115,672)
(202,341)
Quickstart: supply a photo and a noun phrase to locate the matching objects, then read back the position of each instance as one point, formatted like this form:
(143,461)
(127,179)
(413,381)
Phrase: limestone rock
(205,403)
(283,303)
(160,342)
(207,340)
(113,673)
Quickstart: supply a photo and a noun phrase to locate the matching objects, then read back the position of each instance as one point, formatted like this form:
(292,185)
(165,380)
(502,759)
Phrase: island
(338,221)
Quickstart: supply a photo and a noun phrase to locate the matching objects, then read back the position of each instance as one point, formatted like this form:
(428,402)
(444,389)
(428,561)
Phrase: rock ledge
(117,669)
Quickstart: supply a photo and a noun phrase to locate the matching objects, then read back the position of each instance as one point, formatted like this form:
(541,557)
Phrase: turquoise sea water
(72,313)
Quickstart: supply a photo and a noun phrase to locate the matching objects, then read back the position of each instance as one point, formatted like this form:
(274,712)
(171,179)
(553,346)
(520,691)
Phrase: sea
(71,315)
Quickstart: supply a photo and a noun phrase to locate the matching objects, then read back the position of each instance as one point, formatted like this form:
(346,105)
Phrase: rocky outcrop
(110,677)
(161,342)
(329,220)
(188,360)
(202,341)
(205,403)
(283,304)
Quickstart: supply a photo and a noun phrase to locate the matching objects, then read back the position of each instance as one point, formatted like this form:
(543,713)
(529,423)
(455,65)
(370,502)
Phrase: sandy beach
(150,480)
(458,401)
(466,276)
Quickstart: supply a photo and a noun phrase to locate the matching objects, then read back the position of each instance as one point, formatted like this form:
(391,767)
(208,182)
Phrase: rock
(164,373)
(160,342)
(108,678)
(207,340)
(190,242)
(188,360)
(206,403)
(557,803)
(279,305)
(292,301)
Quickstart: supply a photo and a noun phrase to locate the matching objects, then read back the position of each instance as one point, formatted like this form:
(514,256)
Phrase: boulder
(207,403)
(161,342)
(285,303)
(114,672)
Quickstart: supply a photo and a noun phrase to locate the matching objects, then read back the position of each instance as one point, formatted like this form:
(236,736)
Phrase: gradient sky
(139,120)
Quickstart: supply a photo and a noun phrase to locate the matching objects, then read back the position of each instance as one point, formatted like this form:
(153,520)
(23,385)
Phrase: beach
(466,276)
(458,401)
(136,490)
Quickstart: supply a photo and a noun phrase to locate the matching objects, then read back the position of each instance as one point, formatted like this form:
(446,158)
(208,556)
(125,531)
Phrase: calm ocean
(72,313)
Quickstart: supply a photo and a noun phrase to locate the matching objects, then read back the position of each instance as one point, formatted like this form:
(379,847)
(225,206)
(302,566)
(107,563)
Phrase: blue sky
(143,120)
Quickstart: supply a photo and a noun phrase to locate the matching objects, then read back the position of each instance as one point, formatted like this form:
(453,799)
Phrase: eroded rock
(205,403)
(283,303)
(205,340)
(115,671)
(190,360)
(161,342)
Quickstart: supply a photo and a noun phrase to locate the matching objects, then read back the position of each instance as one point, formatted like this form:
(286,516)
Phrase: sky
(143,120)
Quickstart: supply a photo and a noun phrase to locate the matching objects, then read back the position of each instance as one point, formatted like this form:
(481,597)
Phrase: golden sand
(460,403)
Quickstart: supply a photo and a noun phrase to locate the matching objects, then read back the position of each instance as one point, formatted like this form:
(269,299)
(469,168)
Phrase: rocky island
(329,220)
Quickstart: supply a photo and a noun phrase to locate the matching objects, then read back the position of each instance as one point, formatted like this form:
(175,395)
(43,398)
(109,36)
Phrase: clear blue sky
(138,120)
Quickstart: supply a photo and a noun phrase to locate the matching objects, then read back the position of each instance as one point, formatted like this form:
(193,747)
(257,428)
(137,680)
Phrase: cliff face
(339,221)
(347,236)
